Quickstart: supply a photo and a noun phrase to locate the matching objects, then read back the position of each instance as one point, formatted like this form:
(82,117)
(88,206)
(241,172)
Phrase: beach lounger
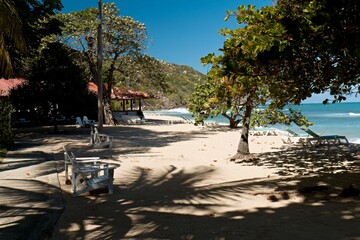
(91,175)
(263,132)
(328,139)
(79,122)
(87,122)
(292,133)
(294,137)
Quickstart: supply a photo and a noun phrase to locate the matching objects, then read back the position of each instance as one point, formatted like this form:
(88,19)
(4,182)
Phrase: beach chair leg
(73,182)
(111,181)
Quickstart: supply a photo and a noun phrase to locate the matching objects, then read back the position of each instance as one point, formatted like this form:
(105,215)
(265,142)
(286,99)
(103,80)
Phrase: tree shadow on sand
(299,160)
(175,204)
(128,141)
(28,209)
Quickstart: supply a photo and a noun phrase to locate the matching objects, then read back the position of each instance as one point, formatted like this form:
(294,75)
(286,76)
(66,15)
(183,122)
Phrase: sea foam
(178,110)
(351,114)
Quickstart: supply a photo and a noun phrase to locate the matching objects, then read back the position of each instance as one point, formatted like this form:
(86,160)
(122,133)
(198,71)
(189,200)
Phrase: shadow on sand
(173,204)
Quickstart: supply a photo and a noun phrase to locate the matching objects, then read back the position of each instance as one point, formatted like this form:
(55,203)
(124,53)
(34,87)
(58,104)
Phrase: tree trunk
(233,123)
(55,115)
(99,71)
(109,118)
(243,151)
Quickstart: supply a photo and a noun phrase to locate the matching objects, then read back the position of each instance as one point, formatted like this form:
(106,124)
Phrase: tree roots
(240,157)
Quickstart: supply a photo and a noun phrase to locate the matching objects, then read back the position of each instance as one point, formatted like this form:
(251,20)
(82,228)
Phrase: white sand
(176,182)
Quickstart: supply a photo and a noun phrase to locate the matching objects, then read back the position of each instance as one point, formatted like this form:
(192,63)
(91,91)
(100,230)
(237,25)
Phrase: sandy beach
(176,182)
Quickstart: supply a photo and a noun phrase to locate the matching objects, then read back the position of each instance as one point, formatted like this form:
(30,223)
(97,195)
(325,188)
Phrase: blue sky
(181,31)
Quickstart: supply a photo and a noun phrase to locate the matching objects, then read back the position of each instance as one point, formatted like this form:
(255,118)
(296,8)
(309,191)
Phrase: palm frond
(11,28)
(5,61)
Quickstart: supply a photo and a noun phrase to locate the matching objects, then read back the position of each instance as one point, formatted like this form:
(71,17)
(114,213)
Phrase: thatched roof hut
(127,97)
(7,84)
(121,93)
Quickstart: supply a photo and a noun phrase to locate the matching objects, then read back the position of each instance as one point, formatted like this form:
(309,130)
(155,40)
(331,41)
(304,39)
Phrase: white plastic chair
(90,176)
(88,122)
(79,122)
(100,140)
(85,160)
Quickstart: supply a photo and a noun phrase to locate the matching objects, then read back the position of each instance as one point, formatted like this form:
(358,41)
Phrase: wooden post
(99,71)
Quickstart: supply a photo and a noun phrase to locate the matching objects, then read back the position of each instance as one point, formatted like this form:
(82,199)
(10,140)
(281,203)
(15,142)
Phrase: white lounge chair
(263,132)
(329,139)
(100,140)
(87,122)
(294,137)
(79,122)
(84,160)
(90,176)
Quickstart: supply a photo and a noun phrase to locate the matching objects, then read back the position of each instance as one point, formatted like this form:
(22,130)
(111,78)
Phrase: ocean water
(340,118)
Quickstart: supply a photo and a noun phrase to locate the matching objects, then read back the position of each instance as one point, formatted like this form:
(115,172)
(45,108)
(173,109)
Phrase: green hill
(172,84)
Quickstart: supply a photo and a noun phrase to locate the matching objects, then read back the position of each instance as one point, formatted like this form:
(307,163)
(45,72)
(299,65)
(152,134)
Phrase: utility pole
(99,70)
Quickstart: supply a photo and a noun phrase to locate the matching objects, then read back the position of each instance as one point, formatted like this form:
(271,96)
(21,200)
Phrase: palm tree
(10,35)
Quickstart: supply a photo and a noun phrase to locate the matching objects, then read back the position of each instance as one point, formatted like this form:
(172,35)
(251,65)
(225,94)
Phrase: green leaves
(321,54)
(121,34)
(267,115)
(11,30)
(245,75)
(5,123)
(122,37)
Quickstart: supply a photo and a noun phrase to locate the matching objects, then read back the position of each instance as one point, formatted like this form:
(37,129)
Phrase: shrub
(5,123)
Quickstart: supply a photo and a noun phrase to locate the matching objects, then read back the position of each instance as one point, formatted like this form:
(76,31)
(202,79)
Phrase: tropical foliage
(22,25)
(11,34)
(323,50)
(5,123)
(281,54)
(3,152)
(55,85)
(238,78)
(171,84)
(216,96)
(122,36)
(34,23)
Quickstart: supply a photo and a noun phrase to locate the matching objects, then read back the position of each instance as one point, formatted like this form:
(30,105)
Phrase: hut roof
(7,84)
(118,93)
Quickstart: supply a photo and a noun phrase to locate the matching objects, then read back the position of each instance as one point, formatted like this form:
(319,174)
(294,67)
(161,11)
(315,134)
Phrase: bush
(5,123)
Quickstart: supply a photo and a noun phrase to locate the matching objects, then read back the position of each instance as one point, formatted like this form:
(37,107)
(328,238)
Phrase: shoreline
(338,119)
(280,130)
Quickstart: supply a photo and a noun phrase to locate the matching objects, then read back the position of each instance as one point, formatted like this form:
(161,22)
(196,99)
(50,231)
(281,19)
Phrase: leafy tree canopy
(36,24)
(283,54)
(55,84)
(322,50)
(5,123)
(122,36)
(239,79)
(11,36)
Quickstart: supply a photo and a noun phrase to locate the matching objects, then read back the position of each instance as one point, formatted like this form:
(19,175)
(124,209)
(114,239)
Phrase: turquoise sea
(340,118)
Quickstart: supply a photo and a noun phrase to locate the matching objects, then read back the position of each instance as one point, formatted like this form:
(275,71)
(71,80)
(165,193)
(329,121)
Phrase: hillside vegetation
(171,84)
